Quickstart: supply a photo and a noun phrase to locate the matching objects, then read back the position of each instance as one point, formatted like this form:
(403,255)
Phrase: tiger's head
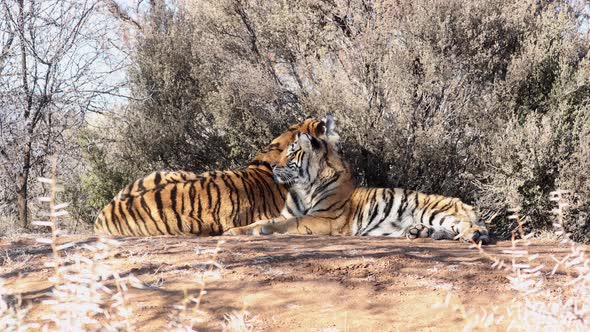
(323,129)
(301,161)
(476,232)
(319,180)
(469,226)
(309,158)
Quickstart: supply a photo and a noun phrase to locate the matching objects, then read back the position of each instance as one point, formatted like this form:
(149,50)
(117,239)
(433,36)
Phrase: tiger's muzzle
(284,175)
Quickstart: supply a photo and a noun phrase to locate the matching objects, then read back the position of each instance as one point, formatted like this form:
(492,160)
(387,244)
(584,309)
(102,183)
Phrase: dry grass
(238,322)
(88,293)
(188,312)
(536,306)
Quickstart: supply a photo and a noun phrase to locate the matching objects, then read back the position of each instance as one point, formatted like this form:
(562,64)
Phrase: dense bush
(203,101)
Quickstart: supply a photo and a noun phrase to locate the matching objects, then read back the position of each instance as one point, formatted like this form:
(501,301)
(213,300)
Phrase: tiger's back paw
(418,231)
(249,230)
(229,232)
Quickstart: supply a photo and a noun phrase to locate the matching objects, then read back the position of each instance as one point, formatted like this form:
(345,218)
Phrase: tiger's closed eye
(291,148)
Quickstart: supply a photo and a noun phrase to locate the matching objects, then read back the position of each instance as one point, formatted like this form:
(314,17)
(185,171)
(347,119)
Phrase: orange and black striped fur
(322,200)
(176,203)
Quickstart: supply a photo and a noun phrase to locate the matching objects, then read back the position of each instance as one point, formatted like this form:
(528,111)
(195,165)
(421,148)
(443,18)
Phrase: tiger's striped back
(155,179)
(176,203)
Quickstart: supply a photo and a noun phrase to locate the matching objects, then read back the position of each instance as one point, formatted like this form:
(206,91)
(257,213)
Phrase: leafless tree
(56,64)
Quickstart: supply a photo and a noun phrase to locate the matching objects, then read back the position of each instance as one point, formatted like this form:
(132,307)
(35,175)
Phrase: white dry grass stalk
(80,299)
(238,321)
(188,312)
(537,307)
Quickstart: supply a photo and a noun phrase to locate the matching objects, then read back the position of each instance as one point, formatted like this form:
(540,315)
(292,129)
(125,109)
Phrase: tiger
(323,200)
(186,203)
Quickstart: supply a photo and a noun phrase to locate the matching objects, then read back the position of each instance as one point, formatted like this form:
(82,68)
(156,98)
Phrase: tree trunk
(23,200)
(23,177)
(239,8)
(23,182)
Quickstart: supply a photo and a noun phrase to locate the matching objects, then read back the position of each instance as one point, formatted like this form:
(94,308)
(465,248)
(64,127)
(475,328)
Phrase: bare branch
(119,13)
(5,50)
(241,11)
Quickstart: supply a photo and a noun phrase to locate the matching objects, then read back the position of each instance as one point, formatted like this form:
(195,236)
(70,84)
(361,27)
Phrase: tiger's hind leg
(418,231)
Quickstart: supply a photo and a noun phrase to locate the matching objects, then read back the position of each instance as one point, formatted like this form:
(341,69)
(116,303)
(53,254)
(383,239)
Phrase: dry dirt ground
(294,283)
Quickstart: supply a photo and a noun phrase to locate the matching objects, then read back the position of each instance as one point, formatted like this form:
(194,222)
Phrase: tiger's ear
(330,126)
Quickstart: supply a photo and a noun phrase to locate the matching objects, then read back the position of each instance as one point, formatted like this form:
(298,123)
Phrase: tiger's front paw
(237,231)
(249,230)
(260,230)
(418,231)
(265,230)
